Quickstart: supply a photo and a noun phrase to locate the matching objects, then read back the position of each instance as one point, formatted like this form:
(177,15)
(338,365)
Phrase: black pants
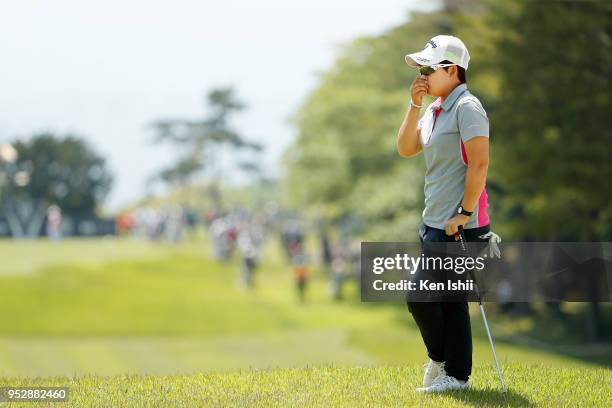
(445,326)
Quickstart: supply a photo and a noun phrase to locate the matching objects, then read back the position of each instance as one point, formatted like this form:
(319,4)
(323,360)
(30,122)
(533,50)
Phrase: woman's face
(441,81)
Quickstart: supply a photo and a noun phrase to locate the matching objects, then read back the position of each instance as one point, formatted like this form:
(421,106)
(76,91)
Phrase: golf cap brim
(421,58)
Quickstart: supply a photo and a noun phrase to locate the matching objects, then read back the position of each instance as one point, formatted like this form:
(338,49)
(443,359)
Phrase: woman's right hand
(419,89)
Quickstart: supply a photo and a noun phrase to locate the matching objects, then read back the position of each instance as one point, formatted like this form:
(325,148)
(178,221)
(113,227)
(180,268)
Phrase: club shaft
(484,316)
(484,319)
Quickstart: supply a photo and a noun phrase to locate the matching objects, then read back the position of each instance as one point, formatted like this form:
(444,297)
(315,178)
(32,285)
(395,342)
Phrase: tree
(199,140)
(555,167)
(53,170)
(555,120)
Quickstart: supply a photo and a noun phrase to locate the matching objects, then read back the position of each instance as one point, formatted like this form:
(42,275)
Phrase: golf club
(482,312)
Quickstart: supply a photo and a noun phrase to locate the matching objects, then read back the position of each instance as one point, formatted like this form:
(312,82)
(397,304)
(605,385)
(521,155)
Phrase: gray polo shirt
(461,118)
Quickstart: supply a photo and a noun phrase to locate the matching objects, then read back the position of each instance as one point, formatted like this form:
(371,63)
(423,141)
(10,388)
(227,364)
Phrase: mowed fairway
(173,327)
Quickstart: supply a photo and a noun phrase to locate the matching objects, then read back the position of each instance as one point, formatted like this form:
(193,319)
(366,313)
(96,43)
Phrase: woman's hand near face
(419,89)
(408,143)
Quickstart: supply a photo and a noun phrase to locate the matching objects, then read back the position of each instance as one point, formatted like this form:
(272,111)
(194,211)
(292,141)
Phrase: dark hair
(460,71)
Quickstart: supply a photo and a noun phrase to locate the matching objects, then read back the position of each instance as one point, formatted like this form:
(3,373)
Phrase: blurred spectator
(54,223)
(292,240)
(338,275)
(249,244)
(174,224)
(301,274)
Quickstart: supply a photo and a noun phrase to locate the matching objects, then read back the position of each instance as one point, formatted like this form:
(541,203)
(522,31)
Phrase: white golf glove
(494,239)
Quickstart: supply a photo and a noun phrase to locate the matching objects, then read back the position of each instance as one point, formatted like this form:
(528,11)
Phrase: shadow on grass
(491,398)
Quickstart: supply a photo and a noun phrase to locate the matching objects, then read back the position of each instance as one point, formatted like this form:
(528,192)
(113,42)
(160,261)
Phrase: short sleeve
(472,120)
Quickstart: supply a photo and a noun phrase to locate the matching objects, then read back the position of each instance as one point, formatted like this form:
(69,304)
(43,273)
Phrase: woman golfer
(454,137)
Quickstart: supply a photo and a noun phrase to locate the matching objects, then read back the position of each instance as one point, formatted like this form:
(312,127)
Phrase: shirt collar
(452,97)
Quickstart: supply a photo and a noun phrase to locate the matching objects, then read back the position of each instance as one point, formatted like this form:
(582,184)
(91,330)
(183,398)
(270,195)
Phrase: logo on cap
(433,44)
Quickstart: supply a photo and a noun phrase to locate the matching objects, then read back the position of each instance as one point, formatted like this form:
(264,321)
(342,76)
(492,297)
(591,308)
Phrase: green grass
(84,313)
(531,385)
(32,357)
(30,256)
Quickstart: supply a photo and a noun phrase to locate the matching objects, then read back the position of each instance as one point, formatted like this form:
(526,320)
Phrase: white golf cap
(438,49)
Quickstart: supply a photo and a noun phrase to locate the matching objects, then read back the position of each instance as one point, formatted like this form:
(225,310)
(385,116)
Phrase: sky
(105,70)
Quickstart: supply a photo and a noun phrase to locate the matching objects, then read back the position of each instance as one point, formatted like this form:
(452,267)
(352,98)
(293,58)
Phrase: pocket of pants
(473,234)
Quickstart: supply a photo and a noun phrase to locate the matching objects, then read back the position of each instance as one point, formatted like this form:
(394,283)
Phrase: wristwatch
(463,211)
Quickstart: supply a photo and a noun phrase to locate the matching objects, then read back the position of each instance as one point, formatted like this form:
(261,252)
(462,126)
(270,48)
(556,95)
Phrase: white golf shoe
(433,370)
(445,383)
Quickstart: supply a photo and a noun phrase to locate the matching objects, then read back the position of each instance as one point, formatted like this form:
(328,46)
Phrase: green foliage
(199,139)
(62,171)
(553,153)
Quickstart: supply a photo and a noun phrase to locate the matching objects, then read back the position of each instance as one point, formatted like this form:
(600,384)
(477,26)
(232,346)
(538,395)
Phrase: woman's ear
(453,71)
